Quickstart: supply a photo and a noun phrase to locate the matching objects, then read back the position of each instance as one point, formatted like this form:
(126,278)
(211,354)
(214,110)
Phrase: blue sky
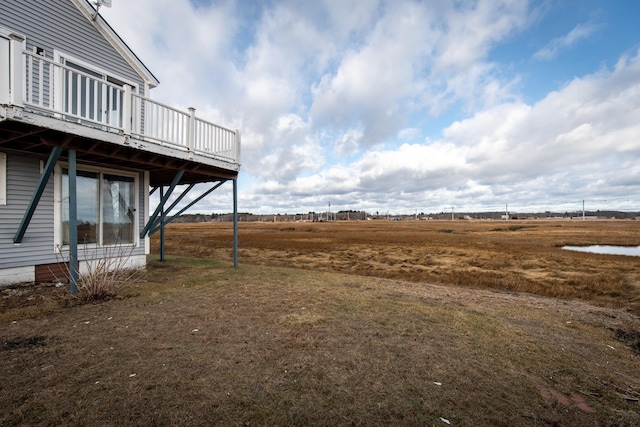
(406,105)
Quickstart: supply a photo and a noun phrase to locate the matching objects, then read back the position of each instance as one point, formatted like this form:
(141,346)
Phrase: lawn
(197,342)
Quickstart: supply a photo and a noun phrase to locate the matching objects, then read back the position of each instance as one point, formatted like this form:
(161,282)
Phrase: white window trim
(3,179)
(57,206)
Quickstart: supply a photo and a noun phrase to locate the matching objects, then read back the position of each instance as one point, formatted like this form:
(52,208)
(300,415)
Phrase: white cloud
(348,142)
(564,145)
(578,33)
(184,47)
(409,134)
(471,31)
(289,151)
(418,55)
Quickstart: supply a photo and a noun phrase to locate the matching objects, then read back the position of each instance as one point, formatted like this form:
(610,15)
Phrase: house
(82,145)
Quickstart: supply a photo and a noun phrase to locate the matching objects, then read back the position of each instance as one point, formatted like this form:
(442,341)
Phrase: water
(606,249)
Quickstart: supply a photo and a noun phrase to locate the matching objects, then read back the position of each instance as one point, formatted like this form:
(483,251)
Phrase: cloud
(347,144)
(340,65)
(417,56)
(470,32)
(564,145)
(555,46)
(185,46)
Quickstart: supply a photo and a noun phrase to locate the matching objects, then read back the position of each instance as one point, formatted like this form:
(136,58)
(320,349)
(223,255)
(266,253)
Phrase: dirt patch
(37,299)
(631,339)
(23,342)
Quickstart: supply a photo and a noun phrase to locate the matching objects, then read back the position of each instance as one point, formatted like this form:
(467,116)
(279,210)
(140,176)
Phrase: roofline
(116,41)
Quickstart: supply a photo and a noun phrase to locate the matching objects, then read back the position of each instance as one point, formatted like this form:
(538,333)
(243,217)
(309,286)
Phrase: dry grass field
(520,256)
(433,324)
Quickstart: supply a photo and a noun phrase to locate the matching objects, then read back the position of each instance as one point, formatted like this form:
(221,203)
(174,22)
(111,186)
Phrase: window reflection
(87,193)
(106,208)
(117,209)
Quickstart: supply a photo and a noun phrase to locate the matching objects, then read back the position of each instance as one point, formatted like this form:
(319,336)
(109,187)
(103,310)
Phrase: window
(3,179)
(106,207)
(118,209)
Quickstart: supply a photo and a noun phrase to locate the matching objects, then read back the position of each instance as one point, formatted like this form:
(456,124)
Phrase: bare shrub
(106,273)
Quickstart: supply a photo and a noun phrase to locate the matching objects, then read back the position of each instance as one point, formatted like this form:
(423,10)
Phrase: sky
(406,106)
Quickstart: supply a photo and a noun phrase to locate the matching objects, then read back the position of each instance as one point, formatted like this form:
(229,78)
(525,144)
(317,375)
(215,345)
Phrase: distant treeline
(352,215)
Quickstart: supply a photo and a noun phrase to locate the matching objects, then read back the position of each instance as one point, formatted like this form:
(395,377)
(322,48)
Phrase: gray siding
(58,24)
(37,246)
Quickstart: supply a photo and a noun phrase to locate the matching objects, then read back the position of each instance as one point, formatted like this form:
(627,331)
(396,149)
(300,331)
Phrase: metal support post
(73,224)
(161,226)
(235,222)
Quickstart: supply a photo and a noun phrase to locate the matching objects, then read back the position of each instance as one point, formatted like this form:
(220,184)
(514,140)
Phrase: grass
(201,343)
(525,256)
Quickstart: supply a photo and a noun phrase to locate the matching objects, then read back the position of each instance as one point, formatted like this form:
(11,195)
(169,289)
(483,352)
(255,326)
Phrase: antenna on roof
(98,3)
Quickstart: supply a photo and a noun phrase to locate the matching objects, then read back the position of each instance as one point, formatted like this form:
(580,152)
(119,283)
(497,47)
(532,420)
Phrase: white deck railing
(67,93)
(167,125)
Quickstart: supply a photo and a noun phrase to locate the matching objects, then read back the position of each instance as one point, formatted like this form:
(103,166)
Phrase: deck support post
(235,222)
(73,224)
(161,227)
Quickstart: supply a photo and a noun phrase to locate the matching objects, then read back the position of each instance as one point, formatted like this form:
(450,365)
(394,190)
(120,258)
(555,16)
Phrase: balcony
(47,94)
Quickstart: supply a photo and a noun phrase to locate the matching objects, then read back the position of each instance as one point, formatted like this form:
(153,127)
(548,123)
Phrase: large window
(106,208)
